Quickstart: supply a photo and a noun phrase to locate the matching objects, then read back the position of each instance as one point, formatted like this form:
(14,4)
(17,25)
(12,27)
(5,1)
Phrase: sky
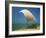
(18,17)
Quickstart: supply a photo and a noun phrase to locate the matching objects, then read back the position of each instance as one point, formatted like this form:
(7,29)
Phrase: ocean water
(24,26)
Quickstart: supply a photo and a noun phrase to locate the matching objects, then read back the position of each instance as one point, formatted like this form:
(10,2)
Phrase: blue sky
(18,18)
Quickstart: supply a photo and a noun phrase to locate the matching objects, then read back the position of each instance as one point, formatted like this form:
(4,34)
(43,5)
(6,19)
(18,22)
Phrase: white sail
(28,14)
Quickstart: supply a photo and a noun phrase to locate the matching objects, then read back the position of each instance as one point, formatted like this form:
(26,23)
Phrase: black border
(7,18)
